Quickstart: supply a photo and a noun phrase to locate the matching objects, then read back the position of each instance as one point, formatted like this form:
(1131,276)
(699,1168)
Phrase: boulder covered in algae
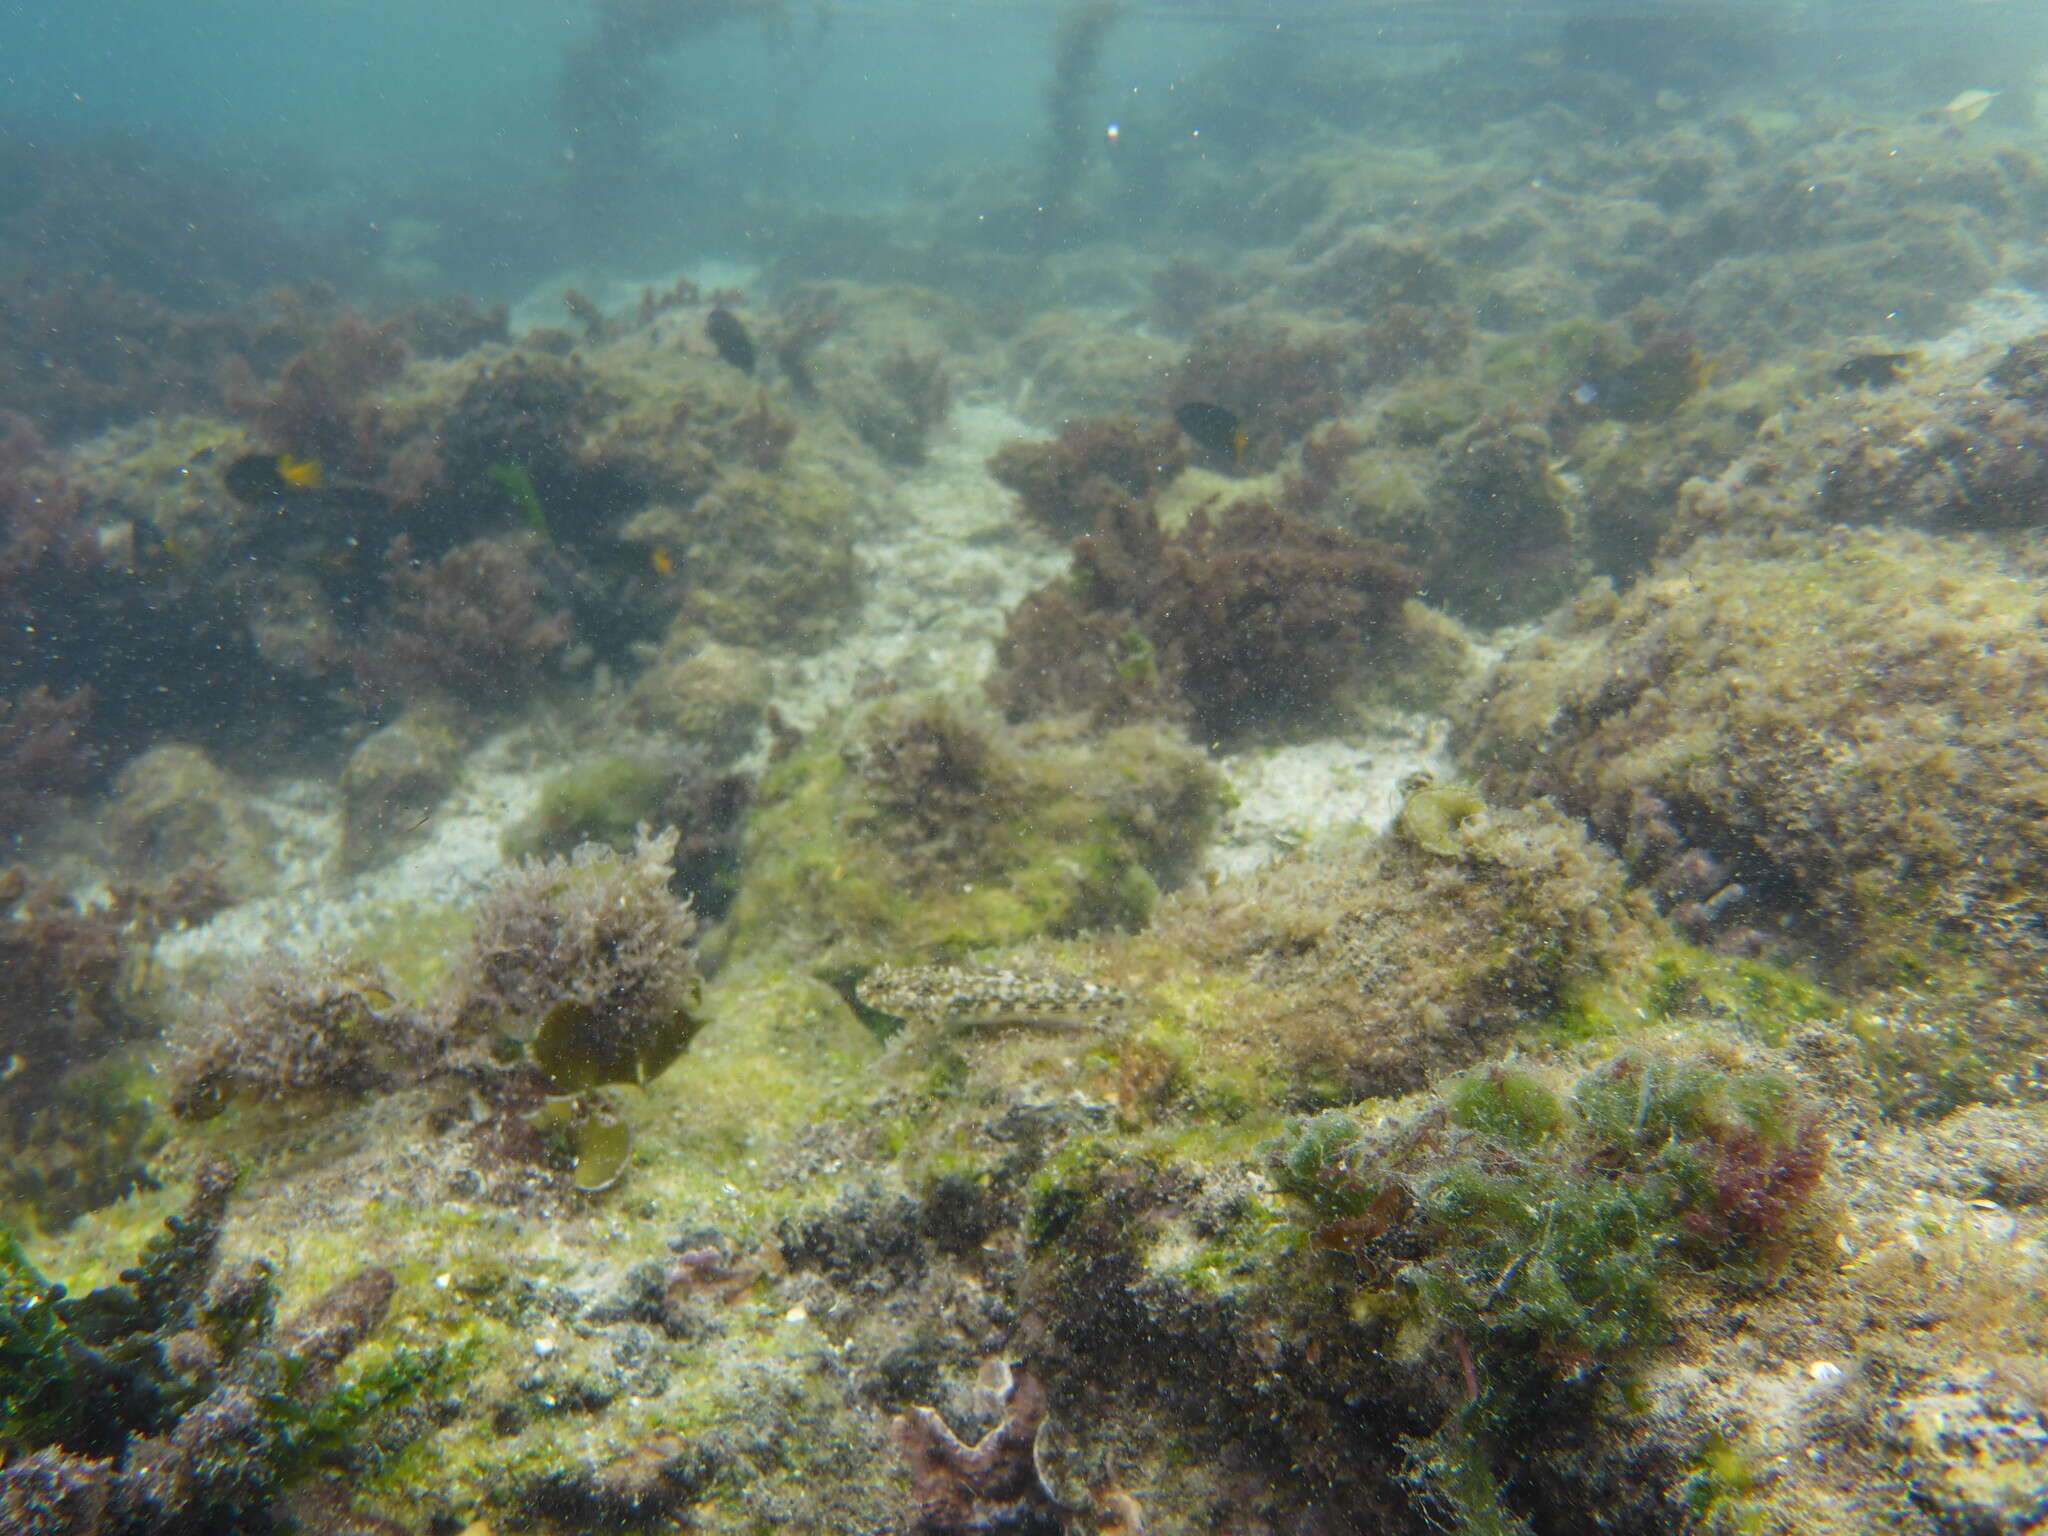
(1826,748)
(922,830)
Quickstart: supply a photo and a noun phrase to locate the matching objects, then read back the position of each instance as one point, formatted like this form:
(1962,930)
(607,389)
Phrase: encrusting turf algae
(1111,769)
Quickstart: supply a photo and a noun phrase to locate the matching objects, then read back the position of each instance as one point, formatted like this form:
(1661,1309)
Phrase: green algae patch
(598,802)
(1532,1226)
(1513,1106)
(1527,1207)
(918,832)
(1671,983)
(780,1046)
(1721,1490)
(1230,1254)
(415,944)
(1771,1002)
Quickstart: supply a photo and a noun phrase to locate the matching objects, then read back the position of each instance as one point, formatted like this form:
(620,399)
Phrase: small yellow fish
(664,564)
(303,474)
(1969,106)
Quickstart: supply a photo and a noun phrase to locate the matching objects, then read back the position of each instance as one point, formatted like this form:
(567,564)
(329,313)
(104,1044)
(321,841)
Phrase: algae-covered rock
(392,783)
(1953,443)
(1079,365)
(168,1402)
(609,800)
(1373,963)
(1977,1451)
(1832,738)
(175,808)
(711,699)
(920,831)
(1987,1153)
(81,1145)
(601,802)
(764,557)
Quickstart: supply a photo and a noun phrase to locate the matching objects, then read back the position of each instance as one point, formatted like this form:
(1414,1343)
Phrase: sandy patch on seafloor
(315,911)
(1287,795)
(942,576)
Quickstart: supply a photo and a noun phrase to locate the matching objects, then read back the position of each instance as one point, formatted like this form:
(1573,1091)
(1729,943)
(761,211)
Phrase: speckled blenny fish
(955,997)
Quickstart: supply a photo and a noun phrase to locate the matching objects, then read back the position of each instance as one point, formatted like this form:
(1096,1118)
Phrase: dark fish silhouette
(1873,370)
(726,333)
(1215,430)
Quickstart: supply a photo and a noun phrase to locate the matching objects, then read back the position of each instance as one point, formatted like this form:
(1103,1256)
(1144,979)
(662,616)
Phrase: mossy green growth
(598,802)
(1433,408)
(1452,1472)
(1063,1194)
(1671,983)
(414,945)
(1543,1226)
(37,1382)
(1719,1489)
(1324,1165)
(777,553)
(89,1376)
(1770,1001)
(1544,363)
(1539,1258)
(85,1142)
(921,834)
(384,1380)
(1923,1065)
(1896,844)
(1514,1105)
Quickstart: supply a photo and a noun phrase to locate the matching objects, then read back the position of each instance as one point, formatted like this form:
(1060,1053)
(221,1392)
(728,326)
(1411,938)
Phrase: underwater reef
(170,1402)
(1873,814)
(1337,834)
